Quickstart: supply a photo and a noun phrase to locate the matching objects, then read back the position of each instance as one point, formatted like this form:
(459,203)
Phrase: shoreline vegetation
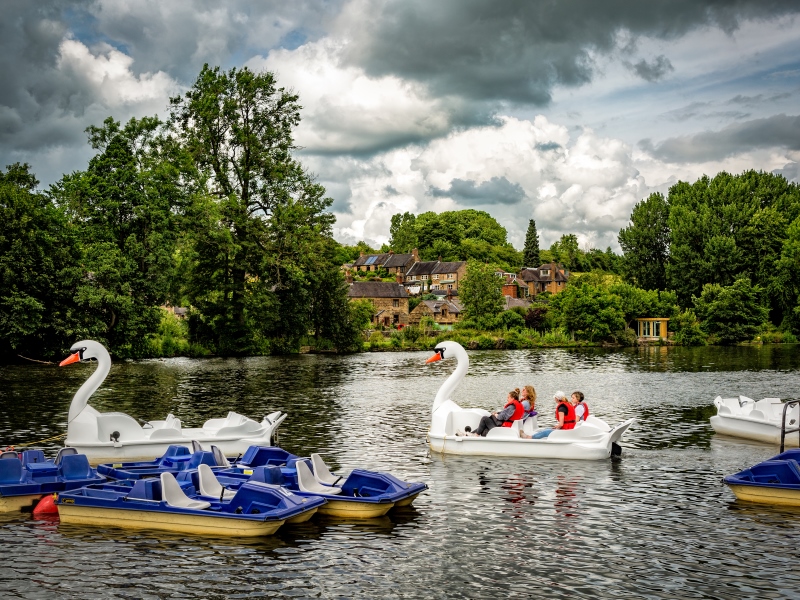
(213,212)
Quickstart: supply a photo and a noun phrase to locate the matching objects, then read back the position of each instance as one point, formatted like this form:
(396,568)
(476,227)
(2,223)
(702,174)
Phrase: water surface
(656,523)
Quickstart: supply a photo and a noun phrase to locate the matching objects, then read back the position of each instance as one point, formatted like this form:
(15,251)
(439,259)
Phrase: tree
(591,312)
(39,271)
(403,233)
(731,313)
(566,251)
(481,292)
(530,255)
(264,223)
(645,244)
(125,209)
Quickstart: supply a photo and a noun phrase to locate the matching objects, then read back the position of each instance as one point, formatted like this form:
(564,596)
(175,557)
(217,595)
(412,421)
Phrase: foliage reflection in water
(656,523)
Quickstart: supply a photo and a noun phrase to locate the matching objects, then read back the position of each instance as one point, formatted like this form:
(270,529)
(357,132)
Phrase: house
(651,329)
(370,262)
(389,299)
(428,276)
(513,302)
(443,312)
(398,264)
(549,277)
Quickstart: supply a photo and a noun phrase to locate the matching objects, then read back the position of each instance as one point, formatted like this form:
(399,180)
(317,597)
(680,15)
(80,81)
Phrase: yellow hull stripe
(766,495)
(15,503)
(406,501)
(179,523)
(354,510)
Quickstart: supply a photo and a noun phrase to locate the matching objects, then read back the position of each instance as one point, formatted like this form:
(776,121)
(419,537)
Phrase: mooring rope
(36,443)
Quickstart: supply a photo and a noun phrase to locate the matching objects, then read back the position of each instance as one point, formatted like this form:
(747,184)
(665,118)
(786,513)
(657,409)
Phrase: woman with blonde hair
(528,399)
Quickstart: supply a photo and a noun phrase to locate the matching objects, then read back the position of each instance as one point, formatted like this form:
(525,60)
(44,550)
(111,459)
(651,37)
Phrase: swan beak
(433,358)
(72,358)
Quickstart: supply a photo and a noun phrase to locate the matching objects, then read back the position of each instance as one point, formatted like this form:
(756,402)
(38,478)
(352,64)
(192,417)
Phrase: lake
(655,523)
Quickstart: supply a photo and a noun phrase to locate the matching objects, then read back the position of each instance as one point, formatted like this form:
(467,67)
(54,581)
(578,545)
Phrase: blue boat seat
(10,471)
(201,458)
(32,456)
(307,483)
(269,474)
(219,457)
(174,496)
(62,452)
(146,489)
(75,466)
(210,486)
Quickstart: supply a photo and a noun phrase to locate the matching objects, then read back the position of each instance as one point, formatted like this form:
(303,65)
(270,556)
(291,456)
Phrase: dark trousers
(487,423)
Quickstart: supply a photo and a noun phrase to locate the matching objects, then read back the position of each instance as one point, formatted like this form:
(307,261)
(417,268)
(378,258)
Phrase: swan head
(84,350)
(446,350)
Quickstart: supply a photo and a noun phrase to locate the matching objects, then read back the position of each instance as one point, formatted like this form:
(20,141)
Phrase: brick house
(419,277)
(427,276)
(370,262)
(398,264)
(389,299)
(549,277)
(443,312)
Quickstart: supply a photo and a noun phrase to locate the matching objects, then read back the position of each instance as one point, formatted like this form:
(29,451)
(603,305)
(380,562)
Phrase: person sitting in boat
(528,398)
(565,418)
(581,407)
(512,411)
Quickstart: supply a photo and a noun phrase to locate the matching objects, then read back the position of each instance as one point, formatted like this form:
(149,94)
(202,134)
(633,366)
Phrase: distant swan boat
(116,436)
(761,421)
(592,439)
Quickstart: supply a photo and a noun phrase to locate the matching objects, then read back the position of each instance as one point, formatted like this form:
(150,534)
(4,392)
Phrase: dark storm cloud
(779,131)
(519,50)
(498,190)
(652,71)
(791,171)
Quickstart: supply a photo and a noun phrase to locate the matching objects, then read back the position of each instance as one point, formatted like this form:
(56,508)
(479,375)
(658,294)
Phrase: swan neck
(449,386)
(89,387)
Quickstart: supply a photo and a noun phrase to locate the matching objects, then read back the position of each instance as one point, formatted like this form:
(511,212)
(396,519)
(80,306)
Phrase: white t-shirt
(579,410)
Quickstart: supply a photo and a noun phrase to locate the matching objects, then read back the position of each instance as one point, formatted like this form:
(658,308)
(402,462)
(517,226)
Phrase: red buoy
(46,506)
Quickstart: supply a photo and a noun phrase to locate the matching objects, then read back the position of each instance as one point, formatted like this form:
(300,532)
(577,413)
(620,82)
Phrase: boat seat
(270,474)
(196,446)
(9,454)
(307,483)
(10,471)
(172,422)
(32,456)
(75,466)
(62,452)
(732,404)
(757,414)
(506,432)
(219,457)
(206,457)
(173,495)
(210,486)
(322,473)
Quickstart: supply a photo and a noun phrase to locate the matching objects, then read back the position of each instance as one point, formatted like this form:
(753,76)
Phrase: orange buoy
(46,506)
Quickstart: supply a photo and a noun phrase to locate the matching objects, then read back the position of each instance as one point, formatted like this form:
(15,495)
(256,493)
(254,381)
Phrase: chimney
(349,277)
(440,258)
(415,254)
(361,253)
(399,278)
(391,252)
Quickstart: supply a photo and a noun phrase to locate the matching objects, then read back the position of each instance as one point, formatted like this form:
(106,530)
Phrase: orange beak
(433,358)
(72,358)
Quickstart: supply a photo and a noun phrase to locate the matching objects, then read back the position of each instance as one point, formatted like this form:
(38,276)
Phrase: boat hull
(750,429)
(766,495)
(477,446)
(406,501)
(17,503)
(165,521)
(351,509)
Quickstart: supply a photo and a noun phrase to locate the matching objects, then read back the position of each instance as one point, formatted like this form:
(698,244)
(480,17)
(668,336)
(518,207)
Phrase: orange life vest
(569,418)
(585,409)
(519,410)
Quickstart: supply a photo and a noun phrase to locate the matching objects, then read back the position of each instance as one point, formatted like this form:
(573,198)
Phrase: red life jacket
(518,412)
(569,418)
(585,409)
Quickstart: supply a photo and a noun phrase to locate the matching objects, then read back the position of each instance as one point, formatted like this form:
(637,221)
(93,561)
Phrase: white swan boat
(761,421)
(592,439)
(106,437)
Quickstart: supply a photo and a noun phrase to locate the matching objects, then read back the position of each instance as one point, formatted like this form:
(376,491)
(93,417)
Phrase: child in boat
(581,408)
(528,396)
(496,419)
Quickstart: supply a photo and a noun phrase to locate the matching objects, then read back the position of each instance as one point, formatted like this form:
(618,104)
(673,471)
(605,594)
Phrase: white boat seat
(210,485)
(9,454)
(219,457)
(62,452)
(173,495)
(197,446)
(307,483)
(322,473)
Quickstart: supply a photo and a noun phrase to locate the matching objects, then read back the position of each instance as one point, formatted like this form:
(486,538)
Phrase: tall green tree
(39,271)
(403,233)
(125,209)
(530,254)
(566,251)
(264,230)
(590,312)
(481,292)
(731,313)
(645,244)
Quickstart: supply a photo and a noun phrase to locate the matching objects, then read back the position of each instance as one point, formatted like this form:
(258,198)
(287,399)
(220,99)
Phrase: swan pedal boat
(773,481)
(255,509)
(760,421)
(360,495)
(592,439)
(27,477)
(117,436)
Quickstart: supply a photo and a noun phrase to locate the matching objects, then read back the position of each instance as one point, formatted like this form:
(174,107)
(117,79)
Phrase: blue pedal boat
(360,495)
(26,477)
(773,481)
(255,509)
(175,459)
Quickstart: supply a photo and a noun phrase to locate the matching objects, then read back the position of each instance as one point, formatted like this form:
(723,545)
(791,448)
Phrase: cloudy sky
(567,111)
